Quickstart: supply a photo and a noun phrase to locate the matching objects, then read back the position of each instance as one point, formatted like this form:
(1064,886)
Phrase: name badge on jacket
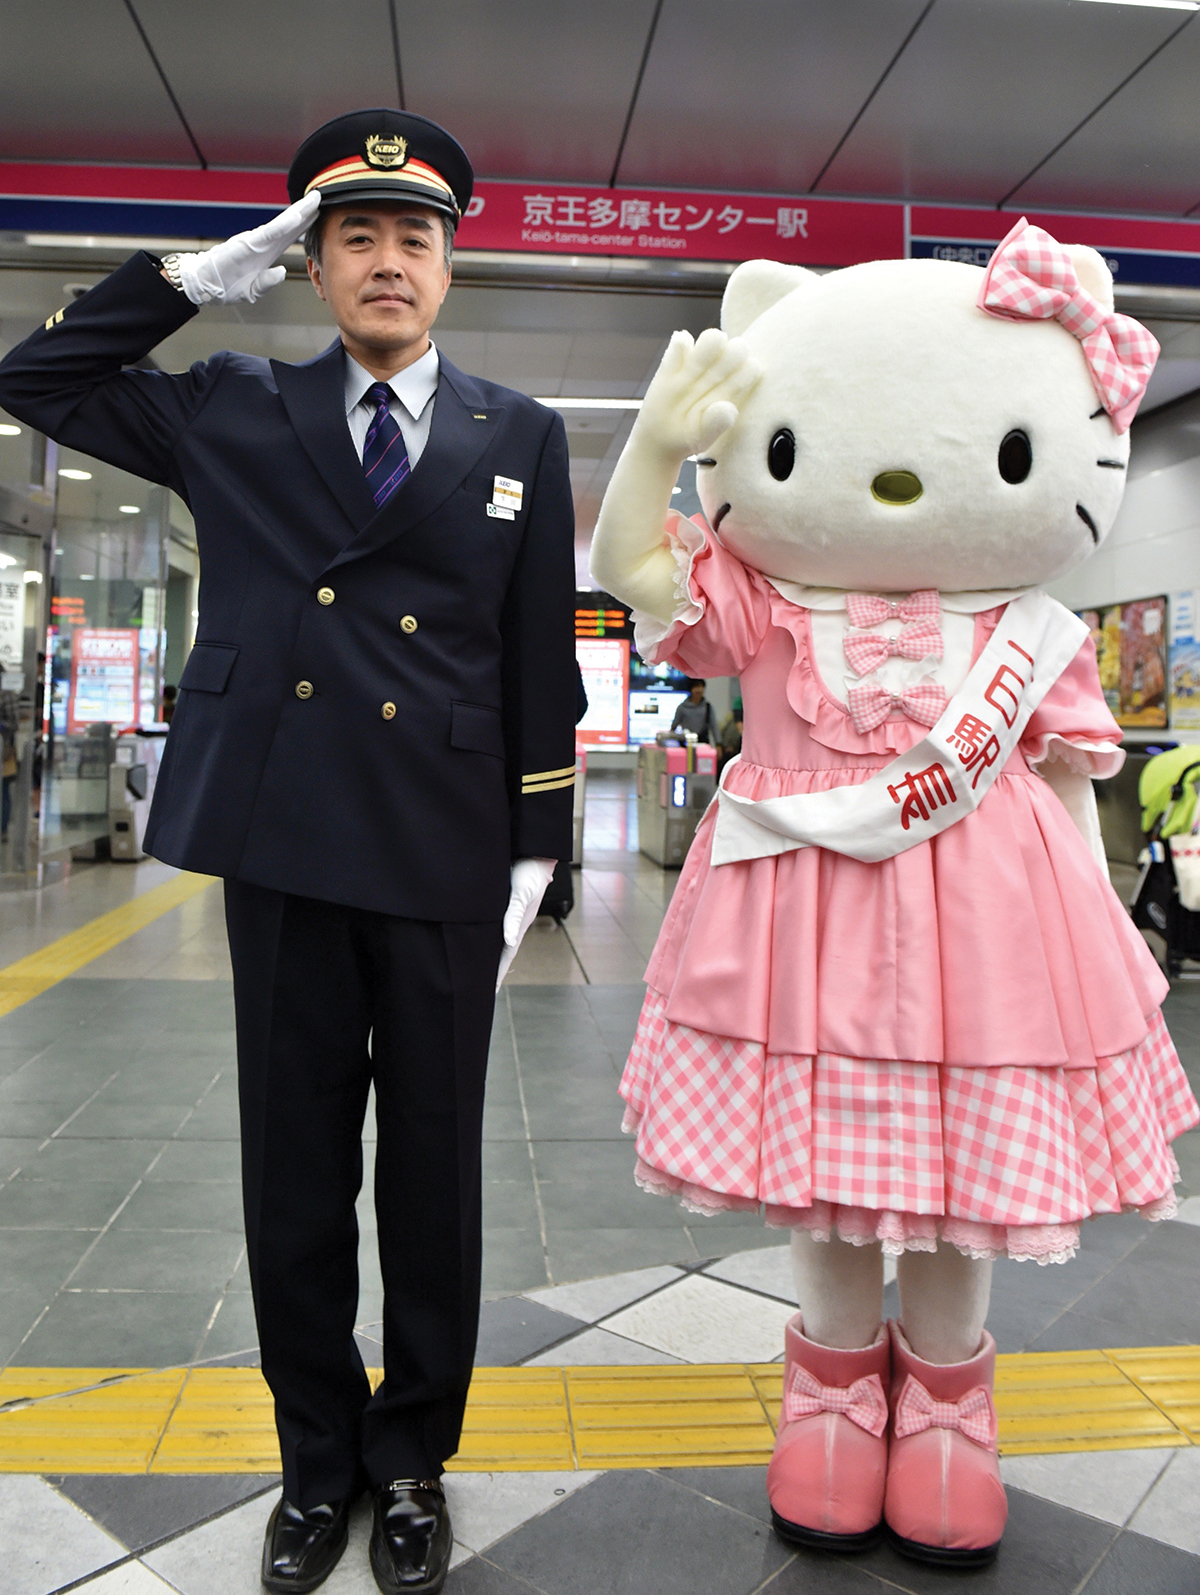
(506,498)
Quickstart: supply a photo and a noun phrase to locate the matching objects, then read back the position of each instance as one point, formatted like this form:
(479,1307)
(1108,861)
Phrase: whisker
(1088,522)
(1112,465)
(1096,414)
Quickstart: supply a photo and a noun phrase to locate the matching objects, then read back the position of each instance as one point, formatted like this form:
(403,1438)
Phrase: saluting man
(374,746)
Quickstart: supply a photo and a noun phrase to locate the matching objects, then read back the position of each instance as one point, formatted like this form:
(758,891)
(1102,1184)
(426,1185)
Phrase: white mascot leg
(839,1289)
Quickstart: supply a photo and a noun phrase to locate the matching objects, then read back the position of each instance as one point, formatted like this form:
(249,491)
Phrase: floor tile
(1171,1512)
(61,1204)
(16,1152)
(141,1511)
(1138,1566)
(199,1161)
(1105,1484)
(47,1541)
(704,1320)
(598,1348)
(512,1260)
(100,1329)
(149,1260)
(1189,1211)
(233,1330)
(19,1310)
(118,1121)
(666,1539)
(484,1507)
(744,1489)
(593,1299)
(132,1578)
(514,1329)
(39,1119)
(479,1577)
(768,1269)
(183,1205)
(104,1160)
(583,1253)
(41,1259)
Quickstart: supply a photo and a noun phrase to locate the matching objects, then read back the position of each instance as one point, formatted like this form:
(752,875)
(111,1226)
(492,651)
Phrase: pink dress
(963,1040)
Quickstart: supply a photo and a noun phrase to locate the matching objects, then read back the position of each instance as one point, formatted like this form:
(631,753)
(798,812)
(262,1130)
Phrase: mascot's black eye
(1015,458)
(781,455)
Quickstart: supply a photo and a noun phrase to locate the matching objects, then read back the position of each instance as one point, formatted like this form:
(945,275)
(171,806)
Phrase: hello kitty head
(902,436)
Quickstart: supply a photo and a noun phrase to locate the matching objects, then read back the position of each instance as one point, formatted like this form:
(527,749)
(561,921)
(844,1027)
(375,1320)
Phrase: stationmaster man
(374,746)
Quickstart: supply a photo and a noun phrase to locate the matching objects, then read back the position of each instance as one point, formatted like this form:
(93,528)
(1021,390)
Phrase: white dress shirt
(411,404)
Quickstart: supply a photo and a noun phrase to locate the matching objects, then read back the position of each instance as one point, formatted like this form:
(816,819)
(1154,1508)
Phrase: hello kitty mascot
(895,1001)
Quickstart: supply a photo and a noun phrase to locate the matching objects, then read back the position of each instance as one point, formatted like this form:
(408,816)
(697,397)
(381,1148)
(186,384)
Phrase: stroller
(1167,793)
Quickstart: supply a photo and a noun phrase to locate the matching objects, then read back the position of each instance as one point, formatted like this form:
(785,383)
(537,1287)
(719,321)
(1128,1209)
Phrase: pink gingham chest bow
(867,650)
(1032,277)
(974,1415)
(863,1402)
(870,704)
(869,609)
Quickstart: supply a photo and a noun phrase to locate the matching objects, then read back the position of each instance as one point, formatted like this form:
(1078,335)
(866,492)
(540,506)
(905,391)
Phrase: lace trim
(685,541)
(1098,759)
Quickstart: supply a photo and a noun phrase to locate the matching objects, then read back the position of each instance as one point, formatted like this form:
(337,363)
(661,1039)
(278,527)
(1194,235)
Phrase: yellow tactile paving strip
(37,972)
(218,1420)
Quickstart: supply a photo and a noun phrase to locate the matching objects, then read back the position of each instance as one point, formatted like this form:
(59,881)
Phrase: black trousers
(329,999)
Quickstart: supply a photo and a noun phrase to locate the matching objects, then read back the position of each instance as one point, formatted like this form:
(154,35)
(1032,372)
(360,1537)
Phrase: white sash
(943,778)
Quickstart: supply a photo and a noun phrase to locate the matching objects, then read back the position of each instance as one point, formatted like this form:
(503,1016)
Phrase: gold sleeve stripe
(549,775)
(545,786)
(52,321)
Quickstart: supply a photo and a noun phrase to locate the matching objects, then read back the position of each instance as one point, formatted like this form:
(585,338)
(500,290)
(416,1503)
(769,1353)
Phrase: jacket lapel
(463,426)
(314,395)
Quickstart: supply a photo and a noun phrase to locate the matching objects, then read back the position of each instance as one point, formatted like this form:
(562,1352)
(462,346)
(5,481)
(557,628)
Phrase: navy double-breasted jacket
(379,707)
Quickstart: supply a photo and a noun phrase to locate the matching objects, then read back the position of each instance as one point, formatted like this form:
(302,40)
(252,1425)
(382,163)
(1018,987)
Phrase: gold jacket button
(408,624)
(304,689)
(388,711)
(325,595)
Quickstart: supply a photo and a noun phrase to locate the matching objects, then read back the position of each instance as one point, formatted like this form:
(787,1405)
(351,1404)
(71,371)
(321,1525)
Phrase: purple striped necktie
(385,459)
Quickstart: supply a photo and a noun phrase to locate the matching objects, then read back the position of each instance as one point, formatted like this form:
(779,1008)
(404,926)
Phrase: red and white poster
(605,670)
(104,677)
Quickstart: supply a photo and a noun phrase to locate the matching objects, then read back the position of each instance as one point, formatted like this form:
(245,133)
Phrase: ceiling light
(1162,5)
(33,576)
(7,431)
(6,560)
(130,509)
(75,476)
(87,576)
(598,404)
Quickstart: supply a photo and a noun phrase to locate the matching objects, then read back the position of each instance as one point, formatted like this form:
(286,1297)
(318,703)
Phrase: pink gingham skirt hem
(1001,1161)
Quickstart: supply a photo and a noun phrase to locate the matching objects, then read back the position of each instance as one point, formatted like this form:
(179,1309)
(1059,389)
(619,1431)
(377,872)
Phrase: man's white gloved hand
(243,267)
(530,878)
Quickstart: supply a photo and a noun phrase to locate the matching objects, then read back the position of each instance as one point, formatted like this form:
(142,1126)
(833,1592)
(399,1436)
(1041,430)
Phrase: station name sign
(579,219)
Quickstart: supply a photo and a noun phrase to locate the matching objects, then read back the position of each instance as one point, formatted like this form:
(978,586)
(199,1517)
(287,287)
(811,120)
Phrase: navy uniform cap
(383,154)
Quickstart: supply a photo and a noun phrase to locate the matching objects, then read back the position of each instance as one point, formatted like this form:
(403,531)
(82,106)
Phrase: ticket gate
(675,785)
(131,779)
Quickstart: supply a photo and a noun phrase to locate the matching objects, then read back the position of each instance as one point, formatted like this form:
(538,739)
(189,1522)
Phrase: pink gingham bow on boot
(1031,277)
(867,650)
(973,1415)
(863,1402)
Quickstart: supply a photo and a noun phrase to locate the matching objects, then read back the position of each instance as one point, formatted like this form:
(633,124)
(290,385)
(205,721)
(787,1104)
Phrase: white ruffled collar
(834,598)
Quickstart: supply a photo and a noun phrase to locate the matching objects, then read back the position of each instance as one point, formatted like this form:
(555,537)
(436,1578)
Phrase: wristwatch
(170,265)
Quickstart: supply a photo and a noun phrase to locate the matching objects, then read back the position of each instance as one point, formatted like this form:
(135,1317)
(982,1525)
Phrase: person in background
(168,703)
(695,713)
(731,734)
(9,710)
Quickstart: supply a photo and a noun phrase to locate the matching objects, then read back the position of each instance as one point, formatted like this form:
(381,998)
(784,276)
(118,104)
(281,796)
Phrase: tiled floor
(120,1246)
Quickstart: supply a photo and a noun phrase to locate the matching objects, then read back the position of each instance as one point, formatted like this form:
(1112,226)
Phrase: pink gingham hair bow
(1032,277)
(870,705)
(868,609)
(867,650)
(863,1402)
(974,1415)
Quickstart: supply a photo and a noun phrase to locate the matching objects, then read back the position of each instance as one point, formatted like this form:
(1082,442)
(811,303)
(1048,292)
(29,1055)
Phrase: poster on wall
(12,621)
(1184,662)
(104,677)
(604,666)
(1131,653)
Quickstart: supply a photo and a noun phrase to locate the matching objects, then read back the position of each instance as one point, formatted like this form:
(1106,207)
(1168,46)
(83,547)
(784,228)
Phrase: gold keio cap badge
(386,150)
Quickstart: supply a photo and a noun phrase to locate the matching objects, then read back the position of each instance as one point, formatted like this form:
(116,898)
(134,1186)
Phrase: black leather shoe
(301,1549)
(410,1537)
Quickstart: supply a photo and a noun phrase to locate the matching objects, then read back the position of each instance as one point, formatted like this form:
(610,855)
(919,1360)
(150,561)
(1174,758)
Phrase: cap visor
(399,193)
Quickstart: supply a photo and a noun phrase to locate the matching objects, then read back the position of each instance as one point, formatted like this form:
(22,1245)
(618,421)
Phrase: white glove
(696,393)
(243,267)
(530,878)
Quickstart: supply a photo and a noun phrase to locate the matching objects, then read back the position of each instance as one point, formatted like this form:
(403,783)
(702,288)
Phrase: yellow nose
(897,487)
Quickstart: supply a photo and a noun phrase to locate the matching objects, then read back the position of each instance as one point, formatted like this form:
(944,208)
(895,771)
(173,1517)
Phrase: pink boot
(827,1475)
(945,1502)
